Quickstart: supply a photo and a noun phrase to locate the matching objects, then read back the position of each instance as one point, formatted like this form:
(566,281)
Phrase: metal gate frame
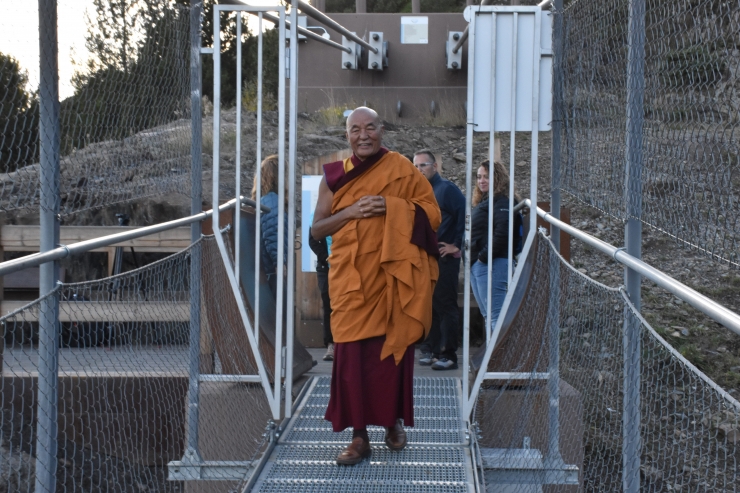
(472,12)
(192,466)
(283,351)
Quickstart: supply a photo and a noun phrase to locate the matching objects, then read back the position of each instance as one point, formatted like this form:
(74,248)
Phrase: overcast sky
(19,27)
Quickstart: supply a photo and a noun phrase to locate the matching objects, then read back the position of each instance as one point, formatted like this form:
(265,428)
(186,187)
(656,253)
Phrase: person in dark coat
(439,349)
(321,248)
(479,246)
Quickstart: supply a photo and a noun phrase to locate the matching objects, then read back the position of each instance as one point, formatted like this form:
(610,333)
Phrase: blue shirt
(452,204)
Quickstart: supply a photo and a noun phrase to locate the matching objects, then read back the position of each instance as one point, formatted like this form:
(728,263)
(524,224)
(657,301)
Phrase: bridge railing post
(49,137)
(631,445)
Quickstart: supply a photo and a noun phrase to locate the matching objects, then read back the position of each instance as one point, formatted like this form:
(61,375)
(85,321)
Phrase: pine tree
(18,117)
(111,34)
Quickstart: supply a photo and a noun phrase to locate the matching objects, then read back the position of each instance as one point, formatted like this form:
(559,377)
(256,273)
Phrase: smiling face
(364,132)
(482,179)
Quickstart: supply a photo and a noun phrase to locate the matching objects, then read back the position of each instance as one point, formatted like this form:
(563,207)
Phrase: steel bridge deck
(436,459)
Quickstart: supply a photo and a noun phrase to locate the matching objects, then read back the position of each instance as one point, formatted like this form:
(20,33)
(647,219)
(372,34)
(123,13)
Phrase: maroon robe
(367,392)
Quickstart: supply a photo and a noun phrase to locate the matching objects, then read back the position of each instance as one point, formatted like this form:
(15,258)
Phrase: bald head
(363,113)
(364,132)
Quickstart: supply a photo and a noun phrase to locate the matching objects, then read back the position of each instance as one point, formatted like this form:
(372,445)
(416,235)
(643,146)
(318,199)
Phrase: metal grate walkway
(436,458)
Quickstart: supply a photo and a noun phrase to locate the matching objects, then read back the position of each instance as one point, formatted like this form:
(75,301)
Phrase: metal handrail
(461,41)
(301,30)
(307,33)
(464,36)
(316,14)
(65,251)
(711,308)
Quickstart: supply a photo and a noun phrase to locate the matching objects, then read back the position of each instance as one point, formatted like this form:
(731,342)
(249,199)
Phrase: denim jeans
(499,285)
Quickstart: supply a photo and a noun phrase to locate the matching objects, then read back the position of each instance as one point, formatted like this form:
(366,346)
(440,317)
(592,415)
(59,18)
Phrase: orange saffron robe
(379,282)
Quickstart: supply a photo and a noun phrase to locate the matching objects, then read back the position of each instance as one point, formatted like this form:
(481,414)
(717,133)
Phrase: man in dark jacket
(440,347)
(321,249)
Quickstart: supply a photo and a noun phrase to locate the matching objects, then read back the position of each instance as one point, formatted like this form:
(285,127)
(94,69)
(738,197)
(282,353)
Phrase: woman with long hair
(269,223)
(479,247)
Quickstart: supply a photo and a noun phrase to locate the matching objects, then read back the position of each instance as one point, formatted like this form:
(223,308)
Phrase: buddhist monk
(382,216)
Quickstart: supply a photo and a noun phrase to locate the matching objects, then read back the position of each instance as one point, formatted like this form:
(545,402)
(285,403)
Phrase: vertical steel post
(554,460)
(292,150)
(468,210)
(280,270)
(633,242)
(491,180)
(535,119)
(238,153)
(196,205)
(258,181)
(415,6)
(557,111)
(48,368)
(512,150)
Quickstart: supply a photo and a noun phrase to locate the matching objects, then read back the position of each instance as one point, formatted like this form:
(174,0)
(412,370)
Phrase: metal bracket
(229,378)
(453,60)
(351,61)
(524,466)
(209,470)
(270,432)
(379,60)
(302,22)
(206,51)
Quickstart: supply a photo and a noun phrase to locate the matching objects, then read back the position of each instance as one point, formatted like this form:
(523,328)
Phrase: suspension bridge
(185,374)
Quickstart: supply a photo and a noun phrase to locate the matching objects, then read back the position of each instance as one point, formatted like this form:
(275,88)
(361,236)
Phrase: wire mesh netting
(690,144)
(690,427)
(123,381)
(124,129)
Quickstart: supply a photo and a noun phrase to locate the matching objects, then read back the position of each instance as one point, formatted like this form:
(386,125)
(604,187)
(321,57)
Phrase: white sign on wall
(517,42)
(414,30)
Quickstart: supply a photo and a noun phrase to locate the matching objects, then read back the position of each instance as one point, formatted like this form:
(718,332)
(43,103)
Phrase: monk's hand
(369,206)
(447,249)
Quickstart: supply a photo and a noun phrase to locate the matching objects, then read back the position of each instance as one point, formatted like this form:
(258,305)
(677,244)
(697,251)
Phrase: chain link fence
(690,427)
(124,122)
(123,381)
(690,176)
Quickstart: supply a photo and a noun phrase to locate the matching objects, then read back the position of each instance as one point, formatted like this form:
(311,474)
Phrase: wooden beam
(15,238)
(107,311)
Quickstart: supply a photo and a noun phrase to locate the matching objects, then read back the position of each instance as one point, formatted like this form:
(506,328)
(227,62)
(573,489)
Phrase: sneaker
(329,356)
(445,364)
(426,359)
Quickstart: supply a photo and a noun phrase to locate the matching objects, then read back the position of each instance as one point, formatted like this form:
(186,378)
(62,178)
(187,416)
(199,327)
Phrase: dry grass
(447,114)
(249,98)
(333,114)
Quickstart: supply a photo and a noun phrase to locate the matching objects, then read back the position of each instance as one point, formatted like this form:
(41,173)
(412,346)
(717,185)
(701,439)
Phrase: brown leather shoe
(354,453)
(395,437)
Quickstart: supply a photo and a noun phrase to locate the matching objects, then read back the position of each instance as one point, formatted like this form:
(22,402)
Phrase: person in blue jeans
(499,246)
